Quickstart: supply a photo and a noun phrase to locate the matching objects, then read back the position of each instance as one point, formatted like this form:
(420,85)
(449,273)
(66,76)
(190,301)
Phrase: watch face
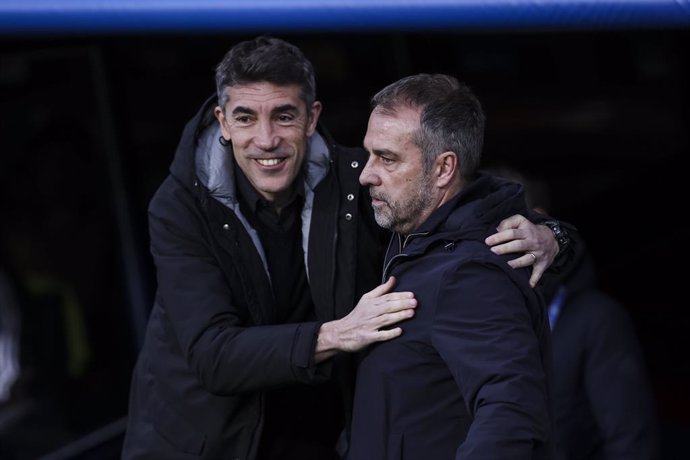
(559,232)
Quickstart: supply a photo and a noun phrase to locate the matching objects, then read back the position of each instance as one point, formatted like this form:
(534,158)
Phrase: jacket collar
(471,214)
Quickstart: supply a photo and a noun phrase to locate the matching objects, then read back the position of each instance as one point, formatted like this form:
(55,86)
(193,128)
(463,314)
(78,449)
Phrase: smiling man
(251,278)
(268,260)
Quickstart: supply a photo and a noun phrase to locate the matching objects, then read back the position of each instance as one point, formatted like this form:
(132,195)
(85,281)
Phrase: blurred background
(90,117)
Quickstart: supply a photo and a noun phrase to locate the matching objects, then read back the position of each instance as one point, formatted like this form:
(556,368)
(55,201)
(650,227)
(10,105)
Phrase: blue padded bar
(158,16)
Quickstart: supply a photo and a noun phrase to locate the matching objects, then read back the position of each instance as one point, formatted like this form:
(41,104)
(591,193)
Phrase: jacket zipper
(401,255)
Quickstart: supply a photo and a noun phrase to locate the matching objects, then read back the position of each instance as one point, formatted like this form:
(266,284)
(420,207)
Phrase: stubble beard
(403,216)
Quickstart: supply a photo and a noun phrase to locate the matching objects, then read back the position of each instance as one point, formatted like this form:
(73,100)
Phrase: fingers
(511,246)
(369,321)
(539,266)
(387,334)
(392,310)
(537,271)
(382,332)
(382,301)
(501,237)
(396,301)
(393,317)
(523,261)
(505,230)
(511,222)
(377,308)
(517,234)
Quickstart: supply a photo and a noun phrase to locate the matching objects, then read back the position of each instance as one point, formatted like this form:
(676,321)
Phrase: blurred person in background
(603,401)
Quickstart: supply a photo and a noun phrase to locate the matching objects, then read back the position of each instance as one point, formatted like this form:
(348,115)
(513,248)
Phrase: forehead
(263,94)
(391,130)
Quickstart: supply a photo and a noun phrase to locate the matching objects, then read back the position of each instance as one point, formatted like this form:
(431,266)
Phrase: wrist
(328,337)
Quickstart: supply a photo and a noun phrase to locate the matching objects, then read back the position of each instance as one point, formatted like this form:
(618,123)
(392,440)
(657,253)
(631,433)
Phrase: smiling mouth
(269,161)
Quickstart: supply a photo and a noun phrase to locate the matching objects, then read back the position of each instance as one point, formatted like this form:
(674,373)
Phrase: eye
(242,119)
(285,118)
(387,161)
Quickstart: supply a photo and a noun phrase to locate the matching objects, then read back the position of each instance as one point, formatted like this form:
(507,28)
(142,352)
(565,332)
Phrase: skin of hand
(364,325)
(517,234)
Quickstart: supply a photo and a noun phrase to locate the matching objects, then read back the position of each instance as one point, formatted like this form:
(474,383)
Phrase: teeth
(269,162)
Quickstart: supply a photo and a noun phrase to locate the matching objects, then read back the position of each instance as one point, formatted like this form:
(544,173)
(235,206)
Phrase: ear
(446,169)
(222,121)
(314,114)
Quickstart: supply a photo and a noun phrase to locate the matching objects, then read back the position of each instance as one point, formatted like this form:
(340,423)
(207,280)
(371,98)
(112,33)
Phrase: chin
(276,187)
(384,222)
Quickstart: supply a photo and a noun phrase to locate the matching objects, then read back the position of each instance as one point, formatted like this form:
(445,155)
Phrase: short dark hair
(451,117)
(265,59)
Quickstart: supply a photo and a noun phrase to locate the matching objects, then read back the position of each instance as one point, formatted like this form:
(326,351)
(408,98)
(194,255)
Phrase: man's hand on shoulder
(367,323)
(535,243)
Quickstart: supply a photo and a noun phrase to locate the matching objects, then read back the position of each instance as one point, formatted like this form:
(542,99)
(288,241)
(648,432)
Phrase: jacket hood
(183,165)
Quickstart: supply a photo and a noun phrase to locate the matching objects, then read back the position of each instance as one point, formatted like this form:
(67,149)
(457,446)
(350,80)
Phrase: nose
(265,136)
(368,176)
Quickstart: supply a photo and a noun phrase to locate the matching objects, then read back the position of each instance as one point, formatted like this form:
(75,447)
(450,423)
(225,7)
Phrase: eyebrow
(240,109)
(279,109)
(285,108)
(382,152)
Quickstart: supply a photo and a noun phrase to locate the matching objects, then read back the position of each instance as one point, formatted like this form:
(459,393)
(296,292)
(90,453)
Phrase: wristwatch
(560,233)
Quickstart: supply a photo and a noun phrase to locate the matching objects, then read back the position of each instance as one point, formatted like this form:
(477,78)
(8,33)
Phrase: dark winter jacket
(468,378)
(212,346)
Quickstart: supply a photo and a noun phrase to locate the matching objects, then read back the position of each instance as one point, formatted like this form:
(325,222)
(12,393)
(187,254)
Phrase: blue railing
(203,16)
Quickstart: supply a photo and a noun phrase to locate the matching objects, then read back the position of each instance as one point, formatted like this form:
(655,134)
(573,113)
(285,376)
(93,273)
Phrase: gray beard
(403,217)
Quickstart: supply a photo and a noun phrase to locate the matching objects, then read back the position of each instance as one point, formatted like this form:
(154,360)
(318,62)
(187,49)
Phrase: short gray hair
(451,117)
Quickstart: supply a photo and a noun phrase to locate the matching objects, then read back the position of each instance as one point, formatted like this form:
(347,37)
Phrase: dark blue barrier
(151,16)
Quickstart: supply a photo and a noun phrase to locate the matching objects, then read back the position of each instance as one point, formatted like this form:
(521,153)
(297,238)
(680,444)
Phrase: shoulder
(171,194)
(476,251)
(481,274)
(175,207)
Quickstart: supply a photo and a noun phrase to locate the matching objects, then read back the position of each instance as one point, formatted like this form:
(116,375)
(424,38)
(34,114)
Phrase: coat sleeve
(483,331)
(615,379)
(202,318)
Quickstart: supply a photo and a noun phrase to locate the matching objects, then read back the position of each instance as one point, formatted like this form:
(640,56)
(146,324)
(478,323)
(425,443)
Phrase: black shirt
(281,238)
(301,422)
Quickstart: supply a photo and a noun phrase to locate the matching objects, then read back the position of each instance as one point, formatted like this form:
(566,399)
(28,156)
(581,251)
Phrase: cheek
(296,140)
(401,186)
(237,133)
(295,134)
